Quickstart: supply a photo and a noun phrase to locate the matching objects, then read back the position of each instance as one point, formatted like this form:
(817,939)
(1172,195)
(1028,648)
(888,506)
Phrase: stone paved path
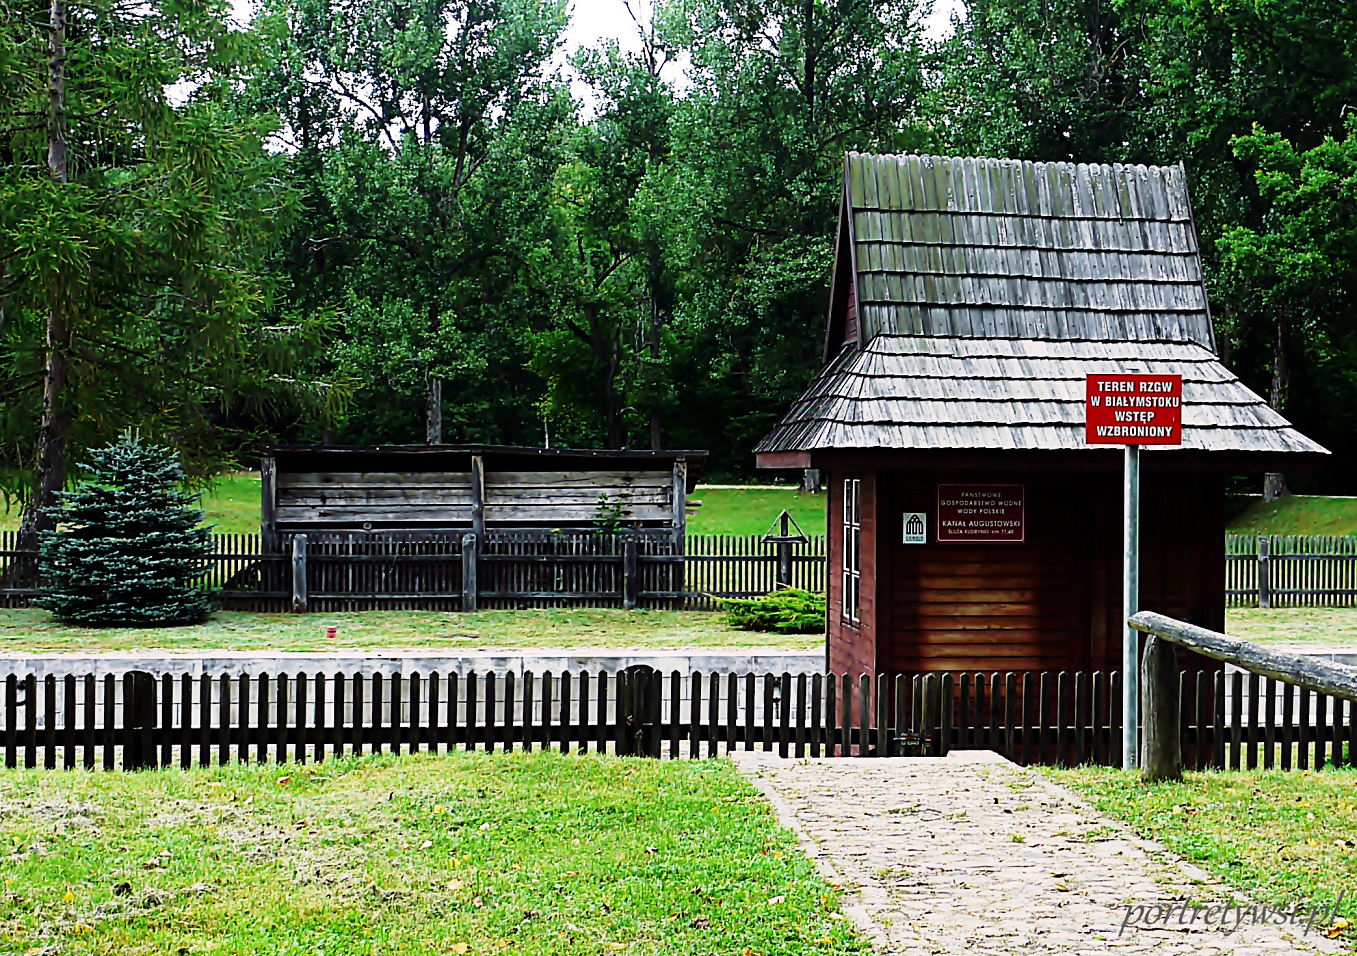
(972,854)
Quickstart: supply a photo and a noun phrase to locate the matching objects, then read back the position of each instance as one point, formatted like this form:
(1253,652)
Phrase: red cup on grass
(331,632)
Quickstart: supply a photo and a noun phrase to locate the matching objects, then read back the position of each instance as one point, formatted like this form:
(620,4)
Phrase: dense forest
(389,221)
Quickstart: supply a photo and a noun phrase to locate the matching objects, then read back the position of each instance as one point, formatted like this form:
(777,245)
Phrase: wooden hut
(413,489)
(970,526)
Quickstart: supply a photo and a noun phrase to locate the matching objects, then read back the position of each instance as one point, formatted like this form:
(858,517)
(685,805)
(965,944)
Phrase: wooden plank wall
(541,499)
(992,606)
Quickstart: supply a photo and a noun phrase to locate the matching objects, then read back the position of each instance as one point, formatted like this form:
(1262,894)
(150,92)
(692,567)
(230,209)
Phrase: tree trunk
(1274,484)
(433,426)
(655,438)
(433,396)
(610,398)
(56,418)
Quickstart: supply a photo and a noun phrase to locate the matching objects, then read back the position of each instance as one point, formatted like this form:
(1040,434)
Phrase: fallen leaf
(284,781)
(426,845)
(776,900)
(460,948)
(455,885)
(778,854)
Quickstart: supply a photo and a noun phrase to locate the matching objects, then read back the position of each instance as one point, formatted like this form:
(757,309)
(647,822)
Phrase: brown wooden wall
(852,650)
(1052,602)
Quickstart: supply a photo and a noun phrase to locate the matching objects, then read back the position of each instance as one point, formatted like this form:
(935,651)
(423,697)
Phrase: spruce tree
(130,543)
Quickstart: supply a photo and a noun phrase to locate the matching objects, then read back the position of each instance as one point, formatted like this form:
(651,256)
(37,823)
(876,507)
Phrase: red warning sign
(1133,410)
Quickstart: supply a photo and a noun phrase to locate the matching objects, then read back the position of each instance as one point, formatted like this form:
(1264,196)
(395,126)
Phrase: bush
(130,546)
(788,611)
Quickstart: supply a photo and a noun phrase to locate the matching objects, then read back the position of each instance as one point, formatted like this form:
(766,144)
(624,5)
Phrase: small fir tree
(130,543)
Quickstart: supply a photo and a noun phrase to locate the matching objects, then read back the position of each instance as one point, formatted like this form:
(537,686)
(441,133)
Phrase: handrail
(1307,671)
(1160,731)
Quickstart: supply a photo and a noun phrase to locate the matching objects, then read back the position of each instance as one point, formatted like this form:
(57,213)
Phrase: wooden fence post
(629,575)
(1163,758)
(784,563)
(469,585)
(300,603)
(1264,572)
(138,720)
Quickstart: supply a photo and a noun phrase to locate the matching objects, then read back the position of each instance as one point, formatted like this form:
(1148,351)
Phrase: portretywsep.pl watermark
(1229,917)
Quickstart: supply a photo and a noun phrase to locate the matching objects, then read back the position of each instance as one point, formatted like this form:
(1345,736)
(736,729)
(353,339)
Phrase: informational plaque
(1133,410)
(915,527)
(981,513)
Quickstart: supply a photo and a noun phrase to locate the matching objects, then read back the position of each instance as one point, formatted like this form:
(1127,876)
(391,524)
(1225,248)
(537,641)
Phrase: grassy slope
(30,630)
(753,510)
(1283,837)
(503,854)
(1298,514)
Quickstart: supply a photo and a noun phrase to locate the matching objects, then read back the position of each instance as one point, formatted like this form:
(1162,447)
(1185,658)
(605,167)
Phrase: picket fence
(536,569)
(507,569)
(138,719)
(1291,570)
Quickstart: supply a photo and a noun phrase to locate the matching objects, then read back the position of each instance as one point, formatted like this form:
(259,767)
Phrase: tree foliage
(369,221)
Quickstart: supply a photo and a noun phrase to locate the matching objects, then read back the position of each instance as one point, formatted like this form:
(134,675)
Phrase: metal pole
(1130,641)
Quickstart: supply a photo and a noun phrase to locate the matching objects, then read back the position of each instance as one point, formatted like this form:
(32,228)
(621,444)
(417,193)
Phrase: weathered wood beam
(478,497)
(1312,673)
(1162,757)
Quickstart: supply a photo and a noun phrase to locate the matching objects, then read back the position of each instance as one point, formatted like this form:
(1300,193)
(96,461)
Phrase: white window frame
(852,550)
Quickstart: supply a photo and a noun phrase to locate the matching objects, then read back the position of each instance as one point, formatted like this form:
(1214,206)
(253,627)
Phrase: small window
(852,550)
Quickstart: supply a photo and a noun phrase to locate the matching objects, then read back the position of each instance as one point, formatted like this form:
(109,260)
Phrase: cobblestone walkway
(972,854)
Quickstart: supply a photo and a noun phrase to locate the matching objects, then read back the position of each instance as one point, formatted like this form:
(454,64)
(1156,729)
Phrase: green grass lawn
(1281,837)
(1303,625)
(1298,514)
(468,853)
(29,630)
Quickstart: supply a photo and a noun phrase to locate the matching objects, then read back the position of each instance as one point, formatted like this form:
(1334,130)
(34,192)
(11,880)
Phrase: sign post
(1132,410)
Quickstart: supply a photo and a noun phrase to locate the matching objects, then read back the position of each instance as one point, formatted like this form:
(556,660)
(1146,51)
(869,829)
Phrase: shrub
(787,611)
(130,545)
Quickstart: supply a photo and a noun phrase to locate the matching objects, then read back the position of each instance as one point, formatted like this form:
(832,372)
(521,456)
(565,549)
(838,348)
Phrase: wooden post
(469,562)
(478,497)
(784,555)
(680,529)
(268,500)
(1264,571)
(629,577)
(138,720)
(1130,640)
(1163,758)
(300,603)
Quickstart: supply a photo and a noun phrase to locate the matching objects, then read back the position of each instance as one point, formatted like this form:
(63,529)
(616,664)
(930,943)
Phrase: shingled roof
(971,298)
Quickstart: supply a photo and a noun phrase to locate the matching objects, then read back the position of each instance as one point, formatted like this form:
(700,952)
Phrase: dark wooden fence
(1286,570)
(355,572)
(537,569)
(140,720)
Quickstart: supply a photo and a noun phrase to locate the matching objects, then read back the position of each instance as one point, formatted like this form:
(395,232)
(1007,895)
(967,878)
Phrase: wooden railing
(141,719)
(1162,701)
